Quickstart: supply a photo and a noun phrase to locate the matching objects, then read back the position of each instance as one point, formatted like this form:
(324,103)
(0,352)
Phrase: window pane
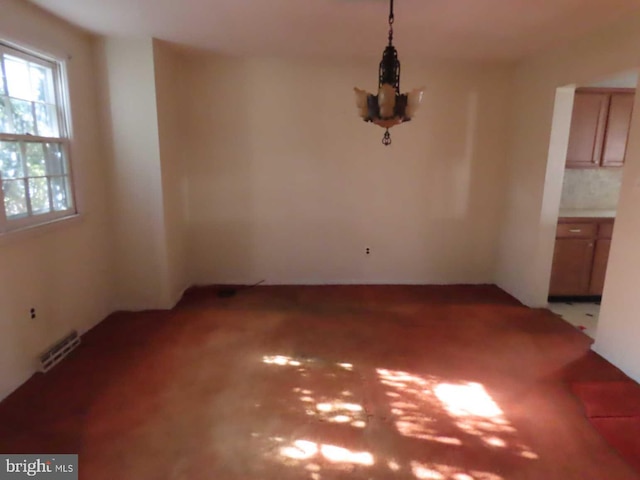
(3,90)
(22,117)
(4,117)
(17,71)
(15,202)
(10,163)
(47,120)
(39,193)
(59,189)
(41,83)
(34,175)
(55,160)
(36,166)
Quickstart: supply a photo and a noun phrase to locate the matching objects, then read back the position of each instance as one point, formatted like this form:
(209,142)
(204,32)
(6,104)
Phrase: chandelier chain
(392,19)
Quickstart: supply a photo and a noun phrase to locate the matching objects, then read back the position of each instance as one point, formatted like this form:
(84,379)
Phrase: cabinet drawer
(605,230)
(577,230)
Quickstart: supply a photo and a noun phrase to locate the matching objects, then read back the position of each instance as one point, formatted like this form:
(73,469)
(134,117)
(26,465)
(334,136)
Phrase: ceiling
(469,29)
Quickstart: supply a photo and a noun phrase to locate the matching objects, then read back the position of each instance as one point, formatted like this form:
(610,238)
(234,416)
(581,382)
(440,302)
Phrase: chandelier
(389,107)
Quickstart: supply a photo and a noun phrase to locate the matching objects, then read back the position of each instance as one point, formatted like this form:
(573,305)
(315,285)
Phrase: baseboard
(334,283)
(575,299)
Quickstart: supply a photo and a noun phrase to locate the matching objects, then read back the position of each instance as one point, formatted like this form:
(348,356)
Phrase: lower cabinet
(571,273)
(600,260)
(580,257)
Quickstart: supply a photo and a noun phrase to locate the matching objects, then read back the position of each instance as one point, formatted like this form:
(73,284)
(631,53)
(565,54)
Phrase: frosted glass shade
(361,102)
(387,100)
(414,99)
(388,108)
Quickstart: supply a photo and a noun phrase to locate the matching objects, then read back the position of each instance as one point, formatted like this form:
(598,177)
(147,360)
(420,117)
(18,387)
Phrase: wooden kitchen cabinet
(600,127)
(601,257)
(618,124)
(599,271)
(580,257)
(572,260)
(588,123)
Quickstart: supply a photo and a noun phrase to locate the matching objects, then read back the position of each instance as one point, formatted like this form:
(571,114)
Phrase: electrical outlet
(367,251)
(32,313)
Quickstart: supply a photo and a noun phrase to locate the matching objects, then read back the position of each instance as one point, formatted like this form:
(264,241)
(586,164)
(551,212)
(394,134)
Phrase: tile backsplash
(591,188)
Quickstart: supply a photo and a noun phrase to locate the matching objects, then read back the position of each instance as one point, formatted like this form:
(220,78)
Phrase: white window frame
(63,115)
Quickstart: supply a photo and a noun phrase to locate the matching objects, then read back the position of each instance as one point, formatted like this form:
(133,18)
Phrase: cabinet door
(572,260)
(600,260)
(588,123)
(615,145)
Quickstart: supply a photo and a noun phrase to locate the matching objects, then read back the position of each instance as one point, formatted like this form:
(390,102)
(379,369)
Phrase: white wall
(62,271)
(529,226)
(530,222)
(619,323)
(131,131)
(142,100)
(168,67)
(287,184)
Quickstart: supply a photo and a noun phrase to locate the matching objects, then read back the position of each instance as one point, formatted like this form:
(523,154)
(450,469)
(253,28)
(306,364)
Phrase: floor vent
(55,354)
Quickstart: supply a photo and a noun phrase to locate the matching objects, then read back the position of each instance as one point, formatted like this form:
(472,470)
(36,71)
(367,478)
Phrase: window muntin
(35,175)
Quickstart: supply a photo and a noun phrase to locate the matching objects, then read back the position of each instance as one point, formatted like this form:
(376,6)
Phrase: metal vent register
(55,354)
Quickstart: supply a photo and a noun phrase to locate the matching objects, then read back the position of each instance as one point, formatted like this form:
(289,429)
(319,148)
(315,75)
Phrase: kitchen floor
(582,315)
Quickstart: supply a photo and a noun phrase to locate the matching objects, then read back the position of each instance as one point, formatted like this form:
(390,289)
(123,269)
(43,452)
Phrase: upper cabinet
(600,127)
(617,133)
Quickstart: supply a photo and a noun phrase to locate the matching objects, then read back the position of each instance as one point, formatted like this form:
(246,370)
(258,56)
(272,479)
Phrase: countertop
(583,213)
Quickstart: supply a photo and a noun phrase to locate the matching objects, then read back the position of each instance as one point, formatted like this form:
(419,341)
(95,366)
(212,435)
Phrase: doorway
(598,134)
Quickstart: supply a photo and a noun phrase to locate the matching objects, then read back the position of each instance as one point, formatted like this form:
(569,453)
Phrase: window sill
(34,231)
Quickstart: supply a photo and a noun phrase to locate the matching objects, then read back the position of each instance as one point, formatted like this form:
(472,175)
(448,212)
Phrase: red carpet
(325,383)
(623,434)
(613,408)
(609,399)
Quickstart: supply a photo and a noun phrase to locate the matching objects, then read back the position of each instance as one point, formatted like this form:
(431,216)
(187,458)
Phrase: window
(35,173)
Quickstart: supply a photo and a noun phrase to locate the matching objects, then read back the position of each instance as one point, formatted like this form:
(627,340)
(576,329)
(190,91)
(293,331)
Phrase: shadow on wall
(287,185)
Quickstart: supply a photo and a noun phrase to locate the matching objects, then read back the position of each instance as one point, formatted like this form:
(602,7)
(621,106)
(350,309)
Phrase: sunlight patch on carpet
(434,471)
(305,450)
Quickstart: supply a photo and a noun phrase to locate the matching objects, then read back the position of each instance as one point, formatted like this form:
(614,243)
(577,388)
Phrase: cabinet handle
(575,230)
